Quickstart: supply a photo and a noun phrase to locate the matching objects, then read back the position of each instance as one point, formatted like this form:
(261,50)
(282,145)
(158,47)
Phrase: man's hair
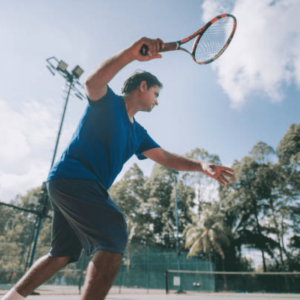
(134,81)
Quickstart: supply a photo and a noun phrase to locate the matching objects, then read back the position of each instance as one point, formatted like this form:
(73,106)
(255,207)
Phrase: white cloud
(264,54)
(211,8)
(12,184)
(26,144)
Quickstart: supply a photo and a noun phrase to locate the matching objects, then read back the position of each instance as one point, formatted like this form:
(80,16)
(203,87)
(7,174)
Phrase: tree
(251,194)
(131,197)
(148,205)
(129,192)
(17,232)
(288,153)
(207,234)
(206,188)
(160,206)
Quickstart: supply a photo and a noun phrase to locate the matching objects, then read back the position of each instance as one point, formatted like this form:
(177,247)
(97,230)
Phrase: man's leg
(101,273)
(41,270)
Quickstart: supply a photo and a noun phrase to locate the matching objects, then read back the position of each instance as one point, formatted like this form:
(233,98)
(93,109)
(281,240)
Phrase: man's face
(149,97)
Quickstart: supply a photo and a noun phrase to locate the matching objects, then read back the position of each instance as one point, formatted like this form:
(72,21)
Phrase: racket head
(213,39)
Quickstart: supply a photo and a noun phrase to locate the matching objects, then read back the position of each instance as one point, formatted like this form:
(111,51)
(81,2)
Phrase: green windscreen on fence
(147,270)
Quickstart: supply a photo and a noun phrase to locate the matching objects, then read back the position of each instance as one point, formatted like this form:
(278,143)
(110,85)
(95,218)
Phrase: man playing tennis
(84,215)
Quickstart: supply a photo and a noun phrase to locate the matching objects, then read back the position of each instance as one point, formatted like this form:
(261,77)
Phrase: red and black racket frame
(198,34)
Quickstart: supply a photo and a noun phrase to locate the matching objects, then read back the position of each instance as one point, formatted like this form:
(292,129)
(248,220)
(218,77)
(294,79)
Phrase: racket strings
(214,39)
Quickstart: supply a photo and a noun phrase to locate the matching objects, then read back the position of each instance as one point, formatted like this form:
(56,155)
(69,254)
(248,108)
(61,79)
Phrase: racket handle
(170,47)
(167,47)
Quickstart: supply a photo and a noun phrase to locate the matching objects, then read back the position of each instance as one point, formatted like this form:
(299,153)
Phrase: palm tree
(206,235)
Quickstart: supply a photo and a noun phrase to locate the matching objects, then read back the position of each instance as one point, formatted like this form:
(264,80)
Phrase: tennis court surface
(50,292)
(211,296)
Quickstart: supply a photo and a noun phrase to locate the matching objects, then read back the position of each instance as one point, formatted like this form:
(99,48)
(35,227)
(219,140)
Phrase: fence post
(148,268)
(167,285)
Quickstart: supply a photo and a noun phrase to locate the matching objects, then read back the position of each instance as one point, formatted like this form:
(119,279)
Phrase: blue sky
(250,94)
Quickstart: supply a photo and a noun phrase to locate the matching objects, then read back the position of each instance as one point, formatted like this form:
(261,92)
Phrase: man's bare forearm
(97,81)
(181,163)
(105,72)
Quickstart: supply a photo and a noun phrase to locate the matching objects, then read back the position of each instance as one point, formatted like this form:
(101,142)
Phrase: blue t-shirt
(103,141)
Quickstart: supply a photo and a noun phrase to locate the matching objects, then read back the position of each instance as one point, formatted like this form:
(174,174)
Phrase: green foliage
(16,234)
(148,205)
(260,209)
(289,148)
(208,233)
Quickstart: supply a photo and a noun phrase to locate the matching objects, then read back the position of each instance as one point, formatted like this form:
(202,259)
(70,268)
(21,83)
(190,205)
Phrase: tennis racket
(210,41)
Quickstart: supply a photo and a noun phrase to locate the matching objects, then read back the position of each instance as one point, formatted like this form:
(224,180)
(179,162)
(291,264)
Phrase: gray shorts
(84,216)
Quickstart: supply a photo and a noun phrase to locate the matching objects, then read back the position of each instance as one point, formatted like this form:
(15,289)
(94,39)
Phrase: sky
(250,94)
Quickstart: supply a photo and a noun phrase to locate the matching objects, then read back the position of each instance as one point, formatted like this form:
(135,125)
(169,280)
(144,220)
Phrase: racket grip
(167,47)
(170,46)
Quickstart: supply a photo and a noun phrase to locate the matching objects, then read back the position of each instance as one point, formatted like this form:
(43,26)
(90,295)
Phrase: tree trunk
(259,232)
(264,260)
(283,247)
(278,234)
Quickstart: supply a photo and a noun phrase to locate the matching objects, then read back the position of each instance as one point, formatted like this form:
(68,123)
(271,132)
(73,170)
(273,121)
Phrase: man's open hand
(218,172)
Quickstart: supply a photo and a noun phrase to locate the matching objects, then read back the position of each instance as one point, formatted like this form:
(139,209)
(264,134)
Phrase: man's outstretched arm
(180,163)
(96,83)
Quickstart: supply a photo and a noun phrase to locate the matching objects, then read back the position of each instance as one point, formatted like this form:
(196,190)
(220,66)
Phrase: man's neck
(131,104)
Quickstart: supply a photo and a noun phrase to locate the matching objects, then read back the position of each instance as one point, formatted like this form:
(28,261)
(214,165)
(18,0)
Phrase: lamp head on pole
(62,66)
(77,71)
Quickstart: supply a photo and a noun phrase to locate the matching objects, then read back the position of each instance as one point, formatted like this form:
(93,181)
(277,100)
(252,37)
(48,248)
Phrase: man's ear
(143,86)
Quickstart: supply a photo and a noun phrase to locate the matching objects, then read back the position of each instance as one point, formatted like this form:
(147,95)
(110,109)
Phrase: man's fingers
(161,44)
(151,50)
(154,46)
(220,173)
(228,169)
(156,56)
(225,179)
(225,173)
(222,180)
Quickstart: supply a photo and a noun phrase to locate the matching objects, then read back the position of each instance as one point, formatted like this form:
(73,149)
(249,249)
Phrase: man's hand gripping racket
(210,41)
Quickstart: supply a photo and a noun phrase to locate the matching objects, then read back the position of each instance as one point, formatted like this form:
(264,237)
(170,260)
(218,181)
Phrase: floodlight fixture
(77,71)
(62,66)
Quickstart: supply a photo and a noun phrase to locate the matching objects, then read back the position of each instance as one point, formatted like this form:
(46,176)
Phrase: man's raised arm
(96,83)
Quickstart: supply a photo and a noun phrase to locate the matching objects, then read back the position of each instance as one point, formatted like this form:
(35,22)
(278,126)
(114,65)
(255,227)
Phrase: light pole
(72,80)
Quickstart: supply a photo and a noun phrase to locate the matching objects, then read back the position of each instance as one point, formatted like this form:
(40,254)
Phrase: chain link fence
(152,268)
(145,267)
